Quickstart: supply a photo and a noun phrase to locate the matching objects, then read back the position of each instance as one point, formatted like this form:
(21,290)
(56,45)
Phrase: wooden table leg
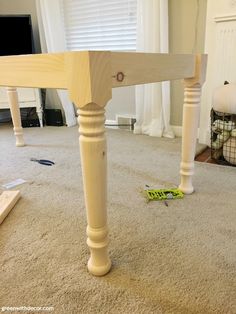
(15,114)
(94,169)
(191,112)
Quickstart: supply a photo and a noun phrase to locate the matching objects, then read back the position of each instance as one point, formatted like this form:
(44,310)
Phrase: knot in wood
(120,76)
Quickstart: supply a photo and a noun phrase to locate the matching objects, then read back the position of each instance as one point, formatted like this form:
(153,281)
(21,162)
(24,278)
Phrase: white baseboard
(111,124)
(177,129)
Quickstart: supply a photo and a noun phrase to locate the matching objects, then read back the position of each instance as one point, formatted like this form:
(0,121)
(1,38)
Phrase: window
(100,24)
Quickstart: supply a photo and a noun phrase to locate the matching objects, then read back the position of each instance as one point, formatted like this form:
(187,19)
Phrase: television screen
(15,35)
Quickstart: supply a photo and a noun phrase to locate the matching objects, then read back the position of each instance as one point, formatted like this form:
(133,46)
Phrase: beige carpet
(175,259)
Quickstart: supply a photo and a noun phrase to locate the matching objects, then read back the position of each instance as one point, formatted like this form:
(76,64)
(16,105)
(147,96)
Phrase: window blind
(100,24)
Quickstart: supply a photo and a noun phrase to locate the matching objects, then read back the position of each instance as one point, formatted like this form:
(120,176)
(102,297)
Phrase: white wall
(122,103)
(221,18)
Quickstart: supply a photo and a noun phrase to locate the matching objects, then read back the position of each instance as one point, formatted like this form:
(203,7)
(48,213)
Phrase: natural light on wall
(100,25)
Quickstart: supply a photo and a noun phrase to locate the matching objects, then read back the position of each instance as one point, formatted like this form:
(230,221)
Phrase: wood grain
(7,201)
(88,77)
(39,70)
(143,68)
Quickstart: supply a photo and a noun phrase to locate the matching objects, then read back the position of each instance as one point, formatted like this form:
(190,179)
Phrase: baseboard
(111,124)
(177,129)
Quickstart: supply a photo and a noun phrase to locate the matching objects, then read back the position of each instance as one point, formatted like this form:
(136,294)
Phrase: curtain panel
(153,100)
(52,38)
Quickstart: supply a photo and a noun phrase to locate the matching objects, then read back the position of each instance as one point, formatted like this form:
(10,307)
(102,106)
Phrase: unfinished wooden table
(89,77)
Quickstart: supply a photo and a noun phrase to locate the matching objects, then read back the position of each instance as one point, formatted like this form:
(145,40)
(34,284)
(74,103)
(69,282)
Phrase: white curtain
(52,39)
(153,100)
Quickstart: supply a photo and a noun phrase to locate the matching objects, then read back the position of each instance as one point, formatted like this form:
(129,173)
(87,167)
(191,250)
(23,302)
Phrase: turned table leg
(94,169)
(191,112)
(15,114)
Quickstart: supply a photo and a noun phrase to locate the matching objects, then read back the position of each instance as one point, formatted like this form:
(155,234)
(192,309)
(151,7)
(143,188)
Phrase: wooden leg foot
(98,270)
(186,178)
(19,136)
(99,263)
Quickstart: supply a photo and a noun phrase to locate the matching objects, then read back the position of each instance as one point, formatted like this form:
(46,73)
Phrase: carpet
(179,258)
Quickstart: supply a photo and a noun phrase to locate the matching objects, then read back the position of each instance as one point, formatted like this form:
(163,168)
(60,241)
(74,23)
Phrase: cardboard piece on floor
(8,200)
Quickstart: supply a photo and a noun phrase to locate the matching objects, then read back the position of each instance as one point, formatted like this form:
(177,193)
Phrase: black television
(16,36)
